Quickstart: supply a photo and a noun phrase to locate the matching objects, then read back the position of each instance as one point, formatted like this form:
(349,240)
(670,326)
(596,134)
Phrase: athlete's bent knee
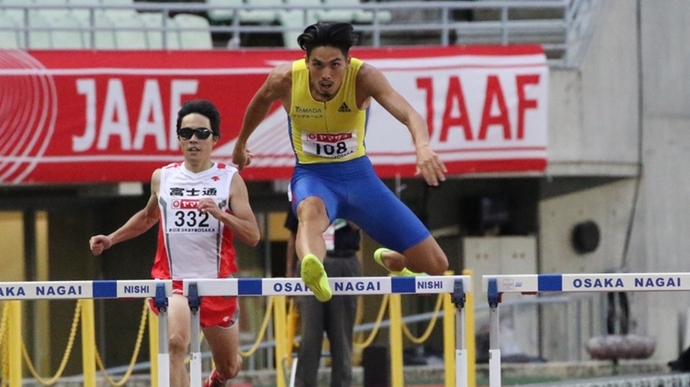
(428,257)
(437,265)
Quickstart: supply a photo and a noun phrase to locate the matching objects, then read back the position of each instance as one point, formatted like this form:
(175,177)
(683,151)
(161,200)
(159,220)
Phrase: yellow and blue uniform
(328,141)
(326,132)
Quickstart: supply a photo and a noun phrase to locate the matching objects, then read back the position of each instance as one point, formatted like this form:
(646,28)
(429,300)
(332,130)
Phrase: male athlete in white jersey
(327,96)
(200,205)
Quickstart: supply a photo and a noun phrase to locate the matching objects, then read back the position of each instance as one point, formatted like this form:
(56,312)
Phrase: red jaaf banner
(109,116)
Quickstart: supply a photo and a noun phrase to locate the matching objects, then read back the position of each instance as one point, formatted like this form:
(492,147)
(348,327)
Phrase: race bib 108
(329,145)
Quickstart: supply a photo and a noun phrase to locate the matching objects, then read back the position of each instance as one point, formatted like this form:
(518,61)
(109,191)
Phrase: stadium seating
(262,16)
(130,30)
(65,27)
(67,24)
(363,16)
(103,34)
(9,38)
(353,15)
(65,33)
(312,8)
(339,15)
(194,32)
(223,16)
(117,3)
(296,19)
(38,38)
(59,6)
(154,31)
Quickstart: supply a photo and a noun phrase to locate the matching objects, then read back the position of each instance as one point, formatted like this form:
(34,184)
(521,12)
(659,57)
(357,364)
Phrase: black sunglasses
(200,133)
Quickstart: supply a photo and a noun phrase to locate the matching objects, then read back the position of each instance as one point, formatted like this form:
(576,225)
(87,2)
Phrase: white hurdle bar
(458,286)
(496,285)
(159,290)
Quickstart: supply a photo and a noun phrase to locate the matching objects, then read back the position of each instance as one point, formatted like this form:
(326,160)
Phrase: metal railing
(562,27)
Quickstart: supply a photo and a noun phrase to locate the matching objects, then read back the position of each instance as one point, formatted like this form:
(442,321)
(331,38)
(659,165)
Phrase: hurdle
(160,291)
(15,292)
(457,286)
(496,285)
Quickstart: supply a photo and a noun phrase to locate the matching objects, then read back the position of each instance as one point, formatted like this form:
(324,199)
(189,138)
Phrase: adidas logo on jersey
(344,109)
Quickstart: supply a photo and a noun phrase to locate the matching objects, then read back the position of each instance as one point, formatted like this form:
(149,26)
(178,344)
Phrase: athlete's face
(327,67)
(194,148)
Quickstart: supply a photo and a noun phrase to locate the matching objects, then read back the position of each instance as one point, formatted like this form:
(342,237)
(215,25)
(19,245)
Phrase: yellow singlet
(326,132)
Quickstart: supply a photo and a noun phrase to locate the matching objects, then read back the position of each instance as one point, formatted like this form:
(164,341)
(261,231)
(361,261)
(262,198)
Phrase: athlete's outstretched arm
(372,82)
(277,86)
(242,220)
(138,224)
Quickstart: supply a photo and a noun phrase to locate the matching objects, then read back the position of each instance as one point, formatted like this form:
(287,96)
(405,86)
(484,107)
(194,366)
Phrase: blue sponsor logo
(290,287)
(597,283)
(59,291)
(429,284)
(360,286)
(11,291)
(137,289)
(658,282)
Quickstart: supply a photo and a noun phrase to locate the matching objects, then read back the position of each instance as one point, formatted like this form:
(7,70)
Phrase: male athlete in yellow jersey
(327,95)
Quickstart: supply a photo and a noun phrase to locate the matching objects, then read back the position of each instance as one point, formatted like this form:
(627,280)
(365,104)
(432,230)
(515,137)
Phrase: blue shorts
(352,190)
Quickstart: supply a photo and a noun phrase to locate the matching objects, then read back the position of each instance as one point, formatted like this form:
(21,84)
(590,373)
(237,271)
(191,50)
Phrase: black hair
(338,35)
(203,107)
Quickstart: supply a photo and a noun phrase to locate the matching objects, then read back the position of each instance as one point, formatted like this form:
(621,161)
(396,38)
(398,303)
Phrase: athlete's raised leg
(310,246)
(313,221)
(393,261)
(424,257)
(373,207)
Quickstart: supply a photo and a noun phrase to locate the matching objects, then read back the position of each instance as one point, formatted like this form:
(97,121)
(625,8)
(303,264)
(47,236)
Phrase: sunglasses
(200,133)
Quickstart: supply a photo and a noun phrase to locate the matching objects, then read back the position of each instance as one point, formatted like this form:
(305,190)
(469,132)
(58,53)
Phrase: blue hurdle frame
(161,290)
(455,285)
(158,290)
(496,285)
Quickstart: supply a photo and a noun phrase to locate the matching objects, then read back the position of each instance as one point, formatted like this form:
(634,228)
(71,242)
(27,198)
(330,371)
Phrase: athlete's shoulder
(172,166)
(366,69)
(278,83)
(370,80)
(281,72)
(156,180)
(356,62)
(299,64)
(227,168)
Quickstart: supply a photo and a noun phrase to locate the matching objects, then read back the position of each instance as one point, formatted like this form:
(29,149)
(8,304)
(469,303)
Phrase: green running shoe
(314,276)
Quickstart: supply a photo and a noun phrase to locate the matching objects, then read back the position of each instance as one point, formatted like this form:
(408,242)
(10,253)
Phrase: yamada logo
(308,110)
(185,204)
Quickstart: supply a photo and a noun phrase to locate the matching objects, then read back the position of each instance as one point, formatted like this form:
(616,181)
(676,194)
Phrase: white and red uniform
(192,244)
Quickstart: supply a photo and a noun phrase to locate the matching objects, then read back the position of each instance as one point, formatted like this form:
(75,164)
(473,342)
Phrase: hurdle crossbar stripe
(339,286)
(160,290)
(51,290)
(456,285)
(600,282)
(15,292)
(495,285)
